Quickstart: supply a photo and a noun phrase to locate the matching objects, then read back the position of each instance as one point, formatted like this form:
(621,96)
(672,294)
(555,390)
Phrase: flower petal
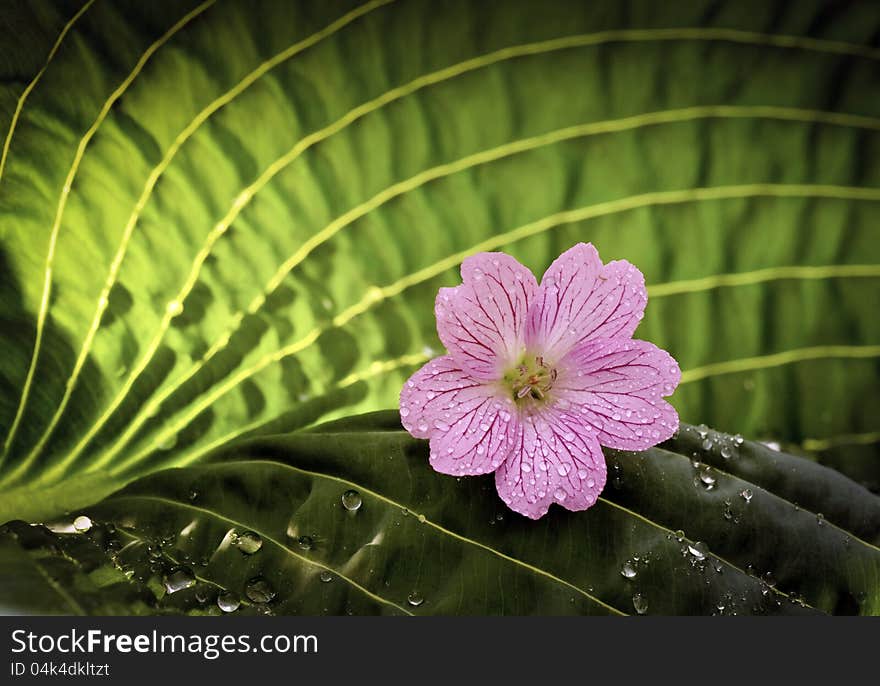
(617,386)
(554,459)
(580,298)
(482,322)
(469,423)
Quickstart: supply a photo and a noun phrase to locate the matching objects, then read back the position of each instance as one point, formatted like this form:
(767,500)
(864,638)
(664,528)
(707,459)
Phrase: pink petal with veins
(580,299)
(555,459)
(482,322)
(469,424)
(617,387)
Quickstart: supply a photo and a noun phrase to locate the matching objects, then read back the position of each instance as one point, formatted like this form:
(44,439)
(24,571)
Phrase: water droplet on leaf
(82,524)
(178,579)
(258,590)
(228,602)
(247,542)
(415,599)
(640,604)
(698,550)
(351,500)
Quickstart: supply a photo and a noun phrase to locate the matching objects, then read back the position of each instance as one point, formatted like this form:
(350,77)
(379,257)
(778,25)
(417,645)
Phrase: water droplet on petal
(560,495)
(258,590)
(404,412)
(351,500)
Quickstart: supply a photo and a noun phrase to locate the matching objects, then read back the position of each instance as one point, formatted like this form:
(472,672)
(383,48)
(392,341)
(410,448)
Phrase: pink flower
(538,377)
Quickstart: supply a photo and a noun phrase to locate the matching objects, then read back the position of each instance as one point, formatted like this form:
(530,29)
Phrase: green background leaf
(221,220)
(411,541)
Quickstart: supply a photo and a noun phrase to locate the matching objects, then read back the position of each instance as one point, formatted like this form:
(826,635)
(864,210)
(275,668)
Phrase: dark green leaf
(414,541)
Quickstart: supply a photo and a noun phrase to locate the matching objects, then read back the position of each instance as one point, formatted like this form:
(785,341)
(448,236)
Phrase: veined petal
(617,386)
(580,298)
(469,423)
(554,460)
(482,322)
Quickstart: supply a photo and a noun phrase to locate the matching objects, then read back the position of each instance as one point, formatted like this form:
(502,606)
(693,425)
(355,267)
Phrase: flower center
(532,378)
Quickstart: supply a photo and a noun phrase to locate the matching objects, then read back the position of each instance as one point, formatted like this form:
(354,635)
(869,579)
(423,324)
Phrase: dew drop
(820,519)
(746,494)
(404,412)
(228,602)
(707,444)
(258,590)
(325,577)
(628,571)
(248,542)
(560,495)
(698,550)
(174,308)
(351,500)
(82,524)
(726,452)
(415,599)
(178,579)
(305,542)
(738,439)
(640,604)
(707,479)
